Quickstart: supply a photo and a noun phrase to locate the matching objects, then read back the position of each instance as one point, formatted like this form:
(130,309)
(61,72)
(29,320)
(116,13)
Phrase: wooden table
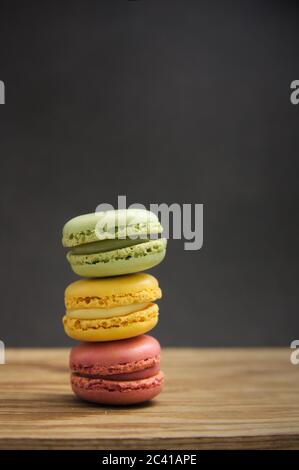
(213,398)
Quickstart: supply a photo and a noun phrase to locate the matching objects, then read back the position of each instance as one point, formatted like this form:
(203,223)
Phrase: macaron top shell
(141,349)
(111,292)
(111,224)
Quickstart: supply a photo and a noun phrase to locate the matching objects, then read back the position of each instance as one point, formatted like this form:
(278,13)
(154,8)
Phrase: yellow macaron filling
(98,313)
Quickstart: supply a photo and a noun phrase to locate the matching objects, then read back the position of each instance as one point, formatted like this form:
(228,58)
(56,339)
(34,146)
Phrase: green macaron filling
(145,248)
(106,245)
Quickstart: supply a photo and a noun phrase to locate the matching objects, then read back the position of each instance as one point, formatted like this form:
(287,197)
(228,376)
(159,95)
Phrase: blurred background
(163,101)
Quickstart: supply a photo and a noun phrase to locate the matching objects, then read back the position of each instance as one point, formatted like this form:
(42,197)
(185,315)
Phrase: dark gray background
(164,101)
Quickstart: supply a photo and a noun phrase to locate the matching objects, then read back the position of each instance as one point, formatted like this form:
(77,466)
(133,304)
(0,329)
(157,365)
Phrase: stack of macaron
(111,309)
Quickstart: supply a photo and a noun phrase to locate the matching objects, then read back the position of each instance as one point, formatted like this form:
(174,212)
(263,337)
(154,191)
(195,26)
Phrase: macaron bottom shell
(111,392)
(117,328)
(128,260)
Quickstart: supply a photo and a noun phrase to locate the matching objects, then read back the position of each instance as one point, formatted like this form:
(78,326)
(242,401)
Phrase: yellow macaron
(109,309)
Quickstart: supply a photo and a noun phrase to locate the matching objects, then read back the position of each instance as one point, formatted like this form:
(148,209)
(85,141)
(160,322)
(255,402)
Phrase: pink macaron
(117,373)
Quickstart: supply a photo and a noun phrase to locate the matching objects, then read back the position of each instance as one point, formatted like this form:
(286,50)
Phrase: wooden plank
(213,398)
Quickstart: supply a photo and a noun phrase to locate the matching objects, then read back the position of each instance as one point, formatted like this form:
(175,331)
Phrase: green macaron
(112,243)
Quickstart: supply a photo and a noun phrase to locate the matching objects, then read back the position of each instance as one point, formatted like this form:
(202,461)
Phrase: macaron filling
(150,312)
(138,375)
(97,313)
(134,251)
(107,245)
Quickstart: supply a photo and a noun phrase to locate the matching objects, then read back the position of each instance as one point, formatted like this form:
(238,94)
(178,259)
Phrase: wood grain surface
(213,398)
